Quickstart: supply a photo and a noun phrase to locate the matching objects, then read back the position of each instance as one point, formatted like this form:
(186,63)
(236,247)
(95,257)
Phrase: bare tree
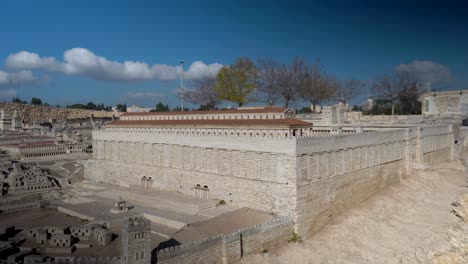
(348,89)
(318,86)
(268,81)
(390,87)
(290,79)
(203,93)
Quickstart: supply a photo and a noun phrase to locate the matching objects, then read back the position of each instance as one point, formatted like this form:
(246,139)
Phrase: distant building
(445,103)
(137,109)
(10,122)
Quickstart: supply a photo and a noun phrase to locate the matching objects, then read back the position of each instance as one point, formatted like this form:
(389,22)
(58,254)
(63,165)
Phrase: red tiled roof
(228,111)
(289,122)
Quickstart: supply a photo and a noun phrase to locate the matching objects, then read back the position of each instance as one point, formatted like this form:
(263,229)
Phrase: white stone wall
(263,180)
(310,178)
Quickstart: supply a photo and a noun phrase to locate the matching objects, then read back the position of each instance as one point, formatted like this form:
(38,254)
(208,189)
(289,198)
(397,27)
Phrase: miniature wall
(18,206)
(30,113)
(337,172)
(259,180)
(232,170)
(313,178)
(230,248)
(35,259)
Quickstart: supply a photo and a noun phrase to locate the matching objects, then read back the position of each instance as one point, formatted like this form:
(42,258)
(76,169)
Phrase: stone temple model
(265,158)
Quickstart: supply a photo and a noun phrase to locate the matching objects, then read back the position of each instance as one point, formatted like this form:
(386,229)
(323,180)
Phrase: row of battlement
(271,225)
(37,259)
(227,132)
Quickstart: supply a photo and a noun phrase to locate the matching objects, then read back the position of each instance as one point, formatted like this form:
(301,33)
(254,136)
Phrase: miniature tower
(136,240)
(5,120)
(16,121)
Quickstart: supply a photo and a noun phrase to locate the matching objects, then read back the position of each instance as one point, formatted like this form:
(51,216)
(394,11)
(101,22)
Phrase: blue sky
(353,39)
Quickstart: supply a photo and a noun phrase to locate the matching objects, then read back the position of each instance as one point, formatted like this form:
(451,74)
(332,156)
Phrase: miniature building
(136,241)
(102,236)
(24,145)
(5,120)
(41,237)
(263,158)
(28,178)
(445,103)
(120,206)
(16,121)
(81,232)
(60,240)
(54,230)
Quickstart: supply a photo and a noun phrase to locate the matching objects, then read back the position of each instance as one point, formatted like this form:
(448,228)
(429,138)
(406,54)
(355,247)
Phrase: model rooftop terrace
(212,123)
(241,113)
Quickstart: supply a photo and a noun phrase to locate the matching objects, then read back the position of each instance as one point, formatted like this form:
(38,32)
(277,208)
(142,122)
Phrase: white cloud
(29,60)
(16,78)
(80,61)
(425,71)
(199,69)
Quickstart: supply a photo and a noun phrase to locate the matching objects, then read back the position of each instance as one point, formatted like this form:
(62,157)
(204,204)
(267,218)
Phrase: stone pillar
(419,149)
(454,148)
(150,183)
(143,182)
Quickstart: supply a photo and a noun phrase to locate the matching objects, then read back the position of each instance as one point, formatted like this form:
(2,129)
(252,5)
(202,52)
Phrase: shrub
(264,251)
(295,238)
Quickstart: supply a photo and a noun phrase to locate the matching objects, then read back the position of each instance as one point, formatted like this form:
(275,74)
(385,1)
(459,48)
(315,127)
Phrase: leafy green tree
(36,101)
(91,105)
(236,82)
(206,107)
(17,100)
(121,107)
(160,107)
(77,106)
(177,108)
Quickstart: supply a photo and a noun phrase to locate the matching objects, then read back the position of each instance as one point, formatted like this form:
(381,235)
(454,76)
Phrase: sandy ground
(407,223)
(38,217)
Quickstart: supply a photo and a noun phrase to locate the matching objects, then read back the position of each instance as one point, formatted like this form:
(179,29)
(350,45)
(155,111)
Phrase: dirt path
(407,223)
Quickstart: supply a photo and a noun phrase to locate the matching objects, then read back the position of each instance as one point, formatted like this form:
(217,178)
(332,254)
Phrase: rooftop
(216,123)
(227,111)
